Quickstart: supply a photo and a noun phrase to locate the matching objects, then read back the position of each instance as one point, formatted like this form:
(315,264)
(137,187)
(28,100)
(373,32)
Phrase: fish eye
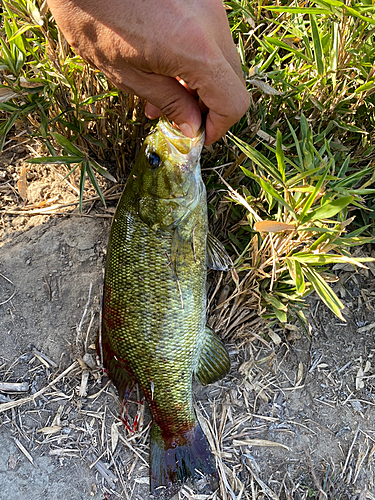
(154,160)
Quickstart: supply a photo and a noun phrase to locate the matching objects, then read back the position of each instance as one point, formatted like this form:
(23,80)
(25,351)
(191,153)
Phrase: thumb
(166,96)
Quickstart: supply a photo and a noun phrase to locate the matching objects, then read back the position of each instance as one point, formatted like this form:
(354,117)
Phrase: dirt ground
(294,419)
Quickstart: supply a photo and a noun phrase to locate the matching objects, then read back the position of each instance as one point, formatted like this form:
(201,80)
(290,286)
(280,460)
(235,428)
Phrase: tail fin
(174,460)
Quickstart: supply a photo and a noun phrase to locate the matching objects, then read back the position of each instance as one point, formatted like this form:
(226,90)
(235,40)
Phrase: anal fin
(217,257)
(214,362)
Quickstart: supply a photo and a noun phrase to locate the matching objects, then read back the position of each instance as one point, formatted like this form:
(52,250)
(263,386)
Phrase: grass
(302,159)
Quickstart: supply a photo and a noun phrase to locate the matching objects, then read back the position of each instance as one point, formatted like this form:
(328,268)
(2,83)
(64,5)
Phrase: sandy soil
(295,418)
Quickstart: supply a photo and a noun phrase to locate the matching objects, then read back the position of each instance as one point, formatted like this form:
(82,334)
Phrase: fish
(153,329)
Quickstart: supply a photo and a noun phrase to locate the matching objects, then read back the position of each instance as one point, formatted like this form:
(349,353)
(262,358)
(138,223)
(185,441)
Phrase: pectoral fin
(217,257)
(214,362)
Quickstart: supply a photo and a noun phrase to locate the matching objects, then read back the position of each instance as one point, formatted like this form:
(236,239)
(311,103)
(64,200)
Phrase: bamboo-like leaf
(350,180)
(272,192)
(324,291)
(99,97)
(94,182)
(321,259)
(355,241)
(280,315)
(7,57)
(20,31)
(355,13)
(71,171)
(102,171)
(67,145)
(310,200)
(271,299)
(300,177)
(344,167)
(295,271)
(366,86)
(329,209)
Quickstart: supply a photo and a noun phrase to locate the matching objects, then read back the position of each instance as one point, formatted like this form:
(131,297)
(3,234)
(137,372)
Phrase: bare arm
(144,45)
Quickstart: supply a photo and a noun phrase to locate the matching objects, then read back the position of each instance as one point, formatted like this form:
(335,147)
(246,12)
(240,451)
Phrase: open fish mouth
(180,146)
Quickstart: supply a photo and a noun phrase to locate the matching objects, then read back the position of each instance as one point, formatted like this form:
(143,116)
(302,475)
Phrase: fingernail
(187,130)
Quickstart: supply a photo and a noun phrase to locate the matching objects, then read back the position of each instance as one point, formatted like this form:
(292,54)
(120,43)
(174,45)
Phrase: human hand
(177,54)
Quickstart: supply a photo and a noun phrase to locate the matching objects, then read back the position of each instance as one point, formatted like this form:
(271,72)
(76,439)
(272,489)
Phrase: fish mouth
(181,147)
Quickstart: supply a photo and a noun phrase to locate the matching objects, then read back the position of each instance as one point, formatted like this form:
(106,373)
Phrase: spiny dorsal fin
(214,362)
(217,257)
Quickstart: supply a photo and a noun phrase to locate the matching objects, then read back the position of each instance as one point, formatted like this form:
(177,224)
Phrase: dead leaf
(114,436)
(50,430)
(299,374)
(359,384)
(274,337)
(6,94)
(267,89)
(258,442)
(22,185)
(29,84)
(271,226)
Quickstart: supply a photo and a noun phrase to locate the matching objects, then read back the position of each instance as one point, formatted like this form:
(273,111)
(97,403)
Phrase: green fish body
(154,304)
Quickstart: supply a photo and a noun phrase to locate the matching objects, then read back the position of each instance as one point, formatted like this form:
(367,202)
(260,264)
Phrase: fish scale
(154,303)
(147,299)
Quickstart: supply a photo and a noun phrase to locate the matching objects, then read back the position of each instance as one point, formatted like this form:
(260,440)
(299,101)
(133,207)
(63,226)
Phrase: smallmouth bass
(154,329)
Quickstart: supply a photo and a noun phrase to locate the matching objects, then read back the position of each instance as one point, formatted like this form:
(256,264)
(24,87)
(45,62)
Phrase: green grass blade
(318,50)
(334,54)
(296,143)
(297,10)
(94,182)
(260,160)
(6,128)
(82,183)
(278,43)
(280,155)
(66,160)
